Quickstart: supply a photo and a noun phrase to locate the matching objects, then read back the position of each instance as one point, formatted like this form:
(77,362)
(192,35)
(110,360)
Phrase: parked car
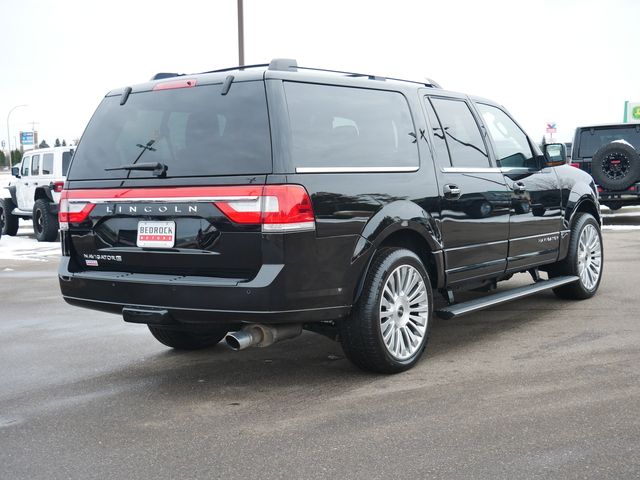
(252,203)
(611,154)
(35,192)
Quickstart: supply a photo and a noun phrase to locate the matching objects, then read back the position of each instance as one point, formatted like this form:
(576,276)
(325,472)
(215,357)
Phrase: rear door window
(66,160)
(193,131)
(343,128)
(47,164)
(466,147)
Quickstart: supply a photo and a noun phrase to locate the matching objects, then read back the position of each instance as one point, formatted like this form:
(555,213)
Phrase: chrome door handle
(451,191)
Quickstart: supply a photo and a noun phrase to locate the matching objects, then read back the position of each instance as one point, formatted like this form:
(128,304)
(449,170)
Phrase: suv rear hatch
(589,139)
(166,178)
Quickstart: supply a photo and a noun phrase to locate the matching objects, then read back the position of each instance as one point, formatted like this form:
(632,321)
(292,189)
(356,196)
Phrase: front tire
(10,221)
(388,329)
(584,260)
(185,340)
(45,223)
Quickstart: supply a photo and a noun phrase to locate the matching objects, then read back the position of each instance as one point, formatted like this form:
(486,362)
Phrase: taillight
(279,208)
(576,165)
(58,186)
(72,211)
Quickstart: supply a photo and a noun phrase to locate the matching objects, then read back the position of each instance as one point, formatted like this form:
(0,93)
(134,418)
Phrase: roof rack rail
(429,83)
(291,65)
(239,67)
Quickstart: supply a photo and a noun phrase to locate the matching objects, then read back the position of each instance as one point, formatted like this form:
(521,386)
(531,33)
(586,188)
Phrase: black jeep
(269,199)
(610,153)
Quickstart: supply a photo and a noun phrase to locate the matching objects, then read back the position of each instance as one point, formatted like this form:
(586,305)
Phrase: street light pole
(9,135)
(240,33)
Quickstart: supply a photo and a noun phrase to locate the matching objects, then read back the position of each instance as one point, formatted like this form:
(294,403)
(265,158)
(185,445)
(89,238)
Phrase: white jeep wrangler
(35,192)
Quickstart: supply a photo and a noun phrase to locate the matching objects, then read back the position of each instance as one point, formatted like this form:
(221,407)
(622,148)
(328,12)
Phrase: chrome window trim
(504,170)
(355,169)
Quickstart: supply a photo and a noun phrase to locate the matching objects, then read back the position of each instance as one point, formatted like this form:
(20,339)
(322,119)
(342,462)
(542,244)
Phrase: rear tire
(388,329)
(585,260)
(10,221)
(45,223)
(185,340)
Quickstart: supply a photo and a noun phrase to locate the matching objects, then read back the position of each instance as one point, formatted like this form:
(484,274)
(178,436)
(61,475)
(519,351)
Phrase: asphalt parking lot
(541,388)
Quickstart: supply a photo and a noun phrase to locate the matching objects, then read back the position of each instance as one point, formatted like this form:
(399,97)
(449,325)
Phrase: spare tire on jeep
(616,166)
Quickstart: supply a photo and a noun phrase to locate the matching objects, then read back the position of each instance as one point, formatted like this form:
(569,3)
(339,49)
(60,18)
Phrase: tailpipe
(258,335)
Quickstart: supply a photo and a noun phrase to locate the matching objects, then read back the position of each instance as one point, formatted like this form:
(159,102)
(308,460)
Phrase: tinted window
(66,160)
(193,131)
(510,142)
(26,163)
(47,164)
(464,140)
(590,142)
(439,143)
(350,127)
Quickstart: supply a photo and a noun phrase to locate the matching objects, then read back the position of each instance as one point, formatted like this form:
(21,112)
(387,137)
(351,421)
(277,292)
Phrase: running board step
(463,308)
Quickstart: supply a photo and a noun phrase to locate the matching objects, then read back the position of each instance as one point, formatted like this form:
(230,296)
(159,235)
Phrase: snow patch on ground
(621,228)
(24,248)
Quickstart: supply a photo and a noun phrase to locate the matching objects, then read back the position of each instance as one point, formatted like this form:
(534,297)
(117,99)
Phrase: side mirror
(15,171)
(555,154)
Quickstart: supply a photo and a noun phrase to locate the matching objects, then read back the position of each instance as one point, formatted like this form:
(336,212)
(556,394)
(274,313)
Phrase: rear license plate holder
(156,234)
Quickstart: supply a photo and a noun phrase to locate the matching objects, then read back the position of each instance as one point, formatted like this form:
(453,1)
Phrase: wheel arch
(404,224)
(43,193)
(586,204)
(12,192)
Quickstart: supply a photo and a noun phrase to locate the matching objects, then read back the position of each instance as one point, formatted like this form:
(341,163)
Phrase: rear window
(193,131)
(591,142)
(342,127)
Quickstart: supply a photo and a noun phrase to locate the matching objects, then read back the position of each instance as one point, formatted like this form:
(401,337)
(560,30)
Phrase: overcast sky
(568,61)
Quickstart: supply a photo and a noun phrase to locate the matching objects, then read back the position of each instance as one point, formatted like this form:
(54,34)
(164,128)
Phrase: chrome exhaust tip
(240,340)
(261,335)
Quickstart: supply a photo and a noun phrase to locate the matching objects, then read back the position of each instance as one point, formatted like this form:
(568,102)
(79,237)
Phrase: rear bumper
(630,195)
(201,300)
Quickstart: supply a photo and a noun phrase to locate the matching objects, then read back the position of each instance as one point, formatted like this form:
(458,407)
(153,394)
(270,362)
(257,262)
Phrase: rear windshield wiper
(158,169)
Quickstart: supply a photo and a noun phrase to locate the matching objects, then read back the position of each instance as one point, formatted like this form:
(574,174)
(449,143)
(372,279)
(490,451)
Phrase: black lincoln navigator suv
(256,202)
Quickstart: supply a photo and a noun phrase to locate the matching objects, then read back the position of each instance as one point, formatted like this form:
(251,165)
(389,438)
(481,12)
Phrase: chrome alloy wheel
(404,312)
(589,257)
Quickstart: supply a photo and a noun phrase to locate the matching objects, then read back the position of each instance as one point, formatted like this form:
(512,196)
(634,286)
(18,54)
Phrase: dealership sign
(26,138)
(631,111)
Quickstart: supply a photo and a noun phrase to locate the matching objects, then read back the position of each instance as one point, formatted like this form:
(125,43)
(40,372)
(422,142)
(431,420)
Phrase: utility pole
(240,33)
(35,136)
(9,135)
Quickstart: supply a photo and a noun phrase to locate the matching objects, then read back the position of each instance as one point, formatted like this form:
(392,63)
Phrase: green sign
(631,112)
